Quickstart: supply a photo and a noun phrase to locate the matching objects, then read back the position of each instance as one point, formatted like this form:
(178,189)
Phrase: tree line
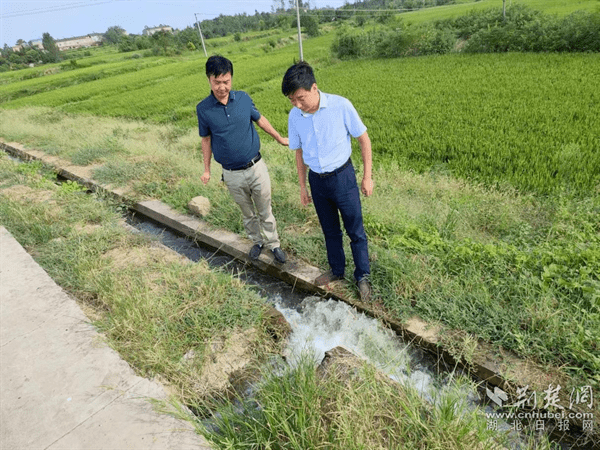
(282,16)
(489,31)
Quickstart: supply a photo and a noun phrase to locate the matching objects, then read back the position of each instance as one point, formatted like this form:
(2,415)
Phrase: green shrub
(310,25)
(392,44)
(351,44)
(529,31)
(360,20)
(433,41)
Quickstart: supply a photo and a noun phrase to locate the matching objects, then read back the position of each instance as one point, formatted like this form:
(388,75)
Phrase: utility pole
(200,33)
(299,31)
(503,9)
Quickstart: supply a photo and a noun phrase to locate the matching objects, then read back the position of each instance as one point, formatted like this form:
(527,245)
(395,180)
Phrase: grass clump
(92,153)
(348,406)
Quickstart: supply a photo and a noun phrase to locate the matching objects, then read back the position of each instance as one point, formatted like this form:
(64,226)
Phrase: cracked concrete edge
(497,369)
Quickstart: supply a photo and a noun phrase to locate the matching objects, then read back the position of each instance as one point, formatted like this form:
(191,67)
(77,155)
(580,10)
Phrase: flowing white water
(320,325)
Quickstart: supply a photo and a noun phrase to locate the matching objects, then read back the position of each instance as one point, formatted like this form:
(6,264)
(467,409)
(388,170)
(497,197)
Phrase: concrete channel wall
(500,371)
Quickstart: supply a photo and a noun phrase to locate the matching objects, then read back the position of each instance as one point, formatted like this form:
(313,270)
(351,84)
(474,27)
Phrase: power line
(55,9)
(314,11)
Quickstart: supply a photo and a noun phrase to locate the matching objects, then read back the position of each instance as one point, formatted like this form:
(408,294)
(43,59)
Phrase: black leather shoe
(279,255)
(255,252)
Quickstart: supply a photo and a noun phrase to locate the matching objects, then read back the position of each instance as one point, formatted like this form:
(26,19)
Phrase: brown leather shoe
(327,278)
(365,290)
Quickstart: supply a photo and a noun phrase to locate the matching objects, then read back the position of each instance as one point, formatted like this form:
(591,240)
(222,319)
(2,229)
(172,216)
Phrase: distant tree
(162,39)
(51,48)
(20,42)
(15,58)
(301,4)
(187,35)
(114,35)
(310,24)
(278,6)
(5,63)
(32,56)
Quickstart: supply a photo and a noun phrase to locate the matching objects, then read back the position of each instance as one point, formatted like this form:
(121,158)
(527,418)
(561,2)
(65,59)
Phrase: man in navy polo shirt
(225,123)
(319,128)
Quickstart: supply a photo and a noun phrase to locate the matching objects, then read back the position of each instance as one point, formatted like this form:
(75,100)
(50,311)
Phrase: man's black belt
(250,164)
(333,172)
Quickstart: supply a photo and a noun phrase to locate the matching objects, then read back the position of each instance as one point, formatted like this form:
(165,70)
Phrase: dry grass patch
(25,194)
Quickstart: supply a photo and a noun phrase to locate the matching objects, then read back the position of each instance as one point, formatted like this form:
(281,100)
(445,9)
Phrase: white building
(151,31)
(89,40)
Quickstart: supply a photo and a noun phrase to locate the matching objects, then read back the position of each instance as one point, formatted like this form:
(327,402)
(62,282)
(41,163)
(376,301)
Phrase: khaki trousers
(251,190)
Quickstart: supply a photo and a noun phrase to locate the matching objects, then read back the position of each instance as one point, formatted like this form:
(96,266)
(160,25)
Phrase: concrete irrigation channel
(503,377)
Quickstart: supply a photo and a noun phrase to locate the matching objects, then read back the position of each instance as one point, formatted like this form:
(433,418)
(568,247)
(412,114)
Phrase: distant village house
(151,31)
(89,40)
(36,43)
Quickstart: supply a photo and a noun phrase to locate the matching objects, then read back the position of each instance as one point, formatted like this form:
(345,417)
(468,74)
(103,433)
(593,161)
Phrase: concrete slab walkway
(61,386)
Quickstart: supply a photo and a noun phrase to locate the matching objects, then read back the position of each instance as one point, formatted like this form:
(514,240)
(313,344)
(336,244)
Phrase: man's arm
(266,126)
(301,168)
(206,155)
(365,150)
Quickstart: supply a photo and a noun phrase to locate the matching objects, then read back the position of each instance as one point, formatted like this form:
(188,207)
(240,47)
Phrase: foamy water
(320,325)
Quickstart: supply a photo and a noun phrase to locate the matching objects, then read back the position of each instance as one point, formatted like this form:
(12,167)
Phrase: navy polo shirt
(234,139)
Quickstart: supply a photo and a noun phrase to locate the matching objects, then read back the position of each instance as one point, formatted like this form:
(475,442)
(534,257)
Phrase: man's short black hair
(218,65)
(299,76)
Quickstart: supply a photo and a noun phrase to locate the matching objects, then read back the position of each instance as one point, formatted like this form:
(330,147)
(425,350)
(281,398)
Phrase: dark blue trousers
(333,195)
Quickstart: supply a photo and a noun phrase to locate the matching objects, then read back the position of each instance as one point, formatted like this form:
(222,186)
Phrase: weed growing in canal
(348,406)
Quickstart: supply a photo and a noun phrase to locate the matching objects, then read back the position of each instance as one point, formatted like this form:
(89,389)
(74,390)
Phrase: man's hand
(305,197)
(205,177)
(366,187)
(284,141)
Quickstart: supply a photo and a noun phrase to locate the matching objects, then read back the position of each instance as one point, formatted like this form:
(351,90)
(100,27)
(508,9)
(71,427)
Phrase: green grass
(349,407)
(479,117)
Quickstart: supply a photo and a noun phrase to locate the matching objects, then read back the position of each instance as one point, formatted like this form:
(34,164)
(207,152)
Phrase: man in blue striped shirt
(320,127)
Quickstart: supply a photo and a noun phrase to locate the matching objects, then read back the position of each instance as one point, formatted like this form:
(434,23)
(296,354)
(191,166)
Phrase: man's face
(220,85)
(306,100)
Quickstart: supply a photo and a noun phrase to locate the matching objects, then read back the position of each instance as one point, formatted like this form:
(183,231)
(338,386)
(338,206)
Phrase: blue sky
(29,19)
